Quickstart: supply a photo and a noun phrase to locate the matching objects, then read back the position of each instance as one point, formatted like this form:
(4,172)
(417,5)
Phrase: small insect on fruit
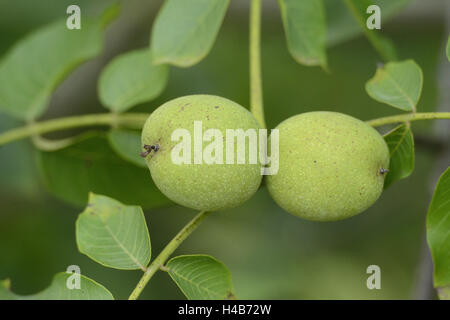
(148,149)
(332,166)
(199,185)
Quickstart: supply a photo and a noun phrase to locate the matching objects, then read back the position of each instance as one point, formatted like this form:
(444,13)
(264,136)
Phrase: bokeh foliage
(319,260)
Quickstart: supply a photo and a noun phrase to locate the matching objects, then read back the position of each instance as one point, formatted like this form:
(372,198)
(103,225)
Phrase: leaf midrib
(403,136)
(403,92)
(212,293)
(122,246)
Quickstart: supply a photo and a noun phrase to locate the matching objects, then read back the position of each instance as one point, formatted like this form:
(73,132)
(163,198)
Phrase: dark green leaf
(398,84)
(130,79)
(401,148)
(58,290)
(438,232)
(382,44)
(92,166)
(127,144)
(184,31)
(305,28)
(38,63)
(113,234)
(201,277)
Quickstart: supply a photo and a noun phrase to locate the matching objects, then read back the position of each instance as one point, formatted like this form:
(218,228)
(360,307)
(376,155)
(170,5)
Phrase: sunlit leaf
(127,144)
(184,31)
(398,84)
(383,45)
(38,63)
(113,234)
(438,233)
(92,166)
(305,28)
(58,290)
(201,277)
(131,79)
(401,148)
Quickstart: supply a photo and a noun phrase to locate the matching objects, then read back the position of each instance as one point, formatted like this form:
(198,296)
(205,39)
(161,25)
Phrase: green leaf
(37,64)
(401,148)
(398,84)
(127,144)
(91,165)
(341,24)
(201,277)
(305,28)
(383,45)
(113,234)
(58,290)
(448,49)
(131,79)
(184,31)
(438,231)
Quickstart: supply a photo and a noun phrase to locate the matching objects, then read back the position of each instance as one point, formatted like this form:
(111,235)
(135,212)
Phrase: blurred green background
(271,254)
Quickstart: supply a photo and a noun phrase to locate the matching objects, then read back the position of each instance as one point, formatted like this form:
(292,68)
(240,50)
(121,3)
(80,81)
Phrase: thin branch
(137,120)
(408,118)
(129,120)
(256,93)
(159,261)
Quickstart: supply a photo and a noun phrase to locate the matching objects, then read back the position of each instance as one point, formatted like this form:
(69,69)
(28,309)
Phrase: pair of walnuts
(331,166)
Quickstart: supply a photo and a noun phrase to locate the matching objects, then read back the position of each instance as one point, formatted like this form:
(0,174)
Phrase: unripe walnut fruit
(331,166)
(202,186)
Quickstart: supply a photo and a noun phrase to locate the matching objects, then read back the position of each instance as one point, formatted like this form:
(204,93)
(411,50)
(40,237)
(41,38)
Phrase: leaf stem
(131,120)
(166,252)
(408,117)
(256,92)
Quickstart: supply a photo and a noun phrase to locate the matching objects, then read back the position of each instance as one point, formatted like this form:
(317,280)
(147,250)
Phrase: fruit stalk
(159,261)
(256,93)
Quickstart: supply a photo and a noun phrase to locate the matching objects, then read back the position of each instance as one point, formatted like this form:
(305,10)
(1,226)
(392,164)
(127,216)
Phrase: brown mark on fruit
(185,105)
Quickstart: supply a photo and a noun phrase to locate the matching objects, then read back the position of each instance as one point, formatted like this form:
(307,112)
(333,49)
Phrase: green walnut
(331,166)
(185,143)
